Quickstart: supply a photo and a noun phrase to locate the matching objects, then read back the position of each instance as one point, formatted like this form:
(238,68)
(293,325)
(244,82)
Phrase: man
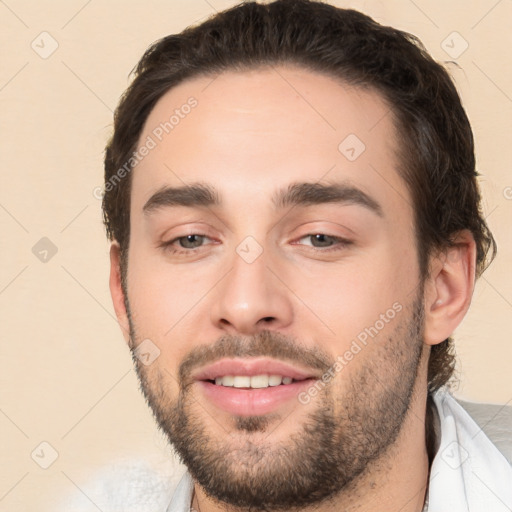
(292,200)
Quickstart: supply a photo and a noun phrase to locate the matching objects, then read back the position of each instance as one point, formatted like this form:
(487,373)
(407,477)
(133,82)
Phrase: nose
(251,297)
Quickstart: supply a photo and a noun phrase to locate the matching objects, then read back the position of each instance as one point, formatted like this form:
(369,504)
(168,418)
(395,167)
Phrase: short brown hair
(436,159)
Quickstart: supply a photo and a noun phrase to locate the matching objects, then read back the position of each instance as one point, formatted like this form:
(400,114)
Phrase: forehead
(250,133)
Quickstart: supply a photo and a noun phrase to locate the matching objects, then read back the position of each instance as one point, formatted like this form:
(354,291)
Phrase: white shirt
(468,473)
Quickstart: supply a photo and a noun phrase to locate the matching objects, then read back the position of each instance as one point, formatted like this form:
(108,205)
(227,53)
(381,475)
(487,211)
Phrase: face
(272,267)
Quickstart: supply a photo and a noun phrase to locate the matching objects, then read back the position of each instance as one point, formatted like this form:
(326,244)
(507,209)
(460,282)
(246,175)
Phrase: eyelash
(339,244)
(168,246)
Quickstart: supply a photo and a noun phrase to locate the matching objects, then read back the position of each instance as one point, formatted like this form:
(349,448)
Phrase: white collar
(468,472)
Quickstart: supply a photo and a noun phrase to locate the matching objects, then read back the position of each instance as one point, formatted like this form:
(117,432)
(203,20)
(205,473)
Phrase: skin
(252,133)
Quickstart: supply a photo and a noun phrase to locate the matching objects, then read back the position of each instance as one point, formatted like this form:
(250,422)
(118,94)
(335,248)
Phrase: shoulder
(474,421)
(496,423)
(471,469)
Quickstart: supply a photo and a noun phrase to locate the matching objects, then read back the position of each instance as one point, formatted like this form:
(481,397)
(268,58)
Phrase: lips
(235,393)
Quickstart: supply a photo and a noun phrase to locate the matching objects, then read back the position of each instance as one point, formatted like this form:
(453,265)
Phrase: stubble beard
(336,445)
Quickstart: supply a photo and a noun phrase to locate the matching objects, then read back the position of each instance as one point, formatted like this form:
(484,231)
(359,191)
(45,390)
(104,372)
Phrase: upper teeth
(256,381)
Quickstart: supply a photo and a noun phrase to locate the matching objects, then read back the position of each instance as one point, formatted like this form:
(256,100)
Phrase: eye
(187,244)
(321,240)
(190,241)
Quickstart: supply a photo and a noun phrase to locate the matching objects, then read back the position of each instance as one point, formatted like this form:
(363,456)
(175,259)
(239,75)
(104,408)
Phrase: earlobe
(449,288)
(116,290)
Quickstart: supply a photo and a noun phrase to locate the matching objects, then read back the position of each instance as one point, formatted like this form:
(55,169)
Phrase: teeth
(274,380)
(259,381)
(256,381)
(225,381)
(242,382)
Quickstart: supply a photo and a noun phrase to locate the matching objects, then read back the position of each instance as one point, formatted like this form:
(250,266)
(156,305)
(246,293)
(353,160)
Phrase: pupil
(191,241)
(322,239)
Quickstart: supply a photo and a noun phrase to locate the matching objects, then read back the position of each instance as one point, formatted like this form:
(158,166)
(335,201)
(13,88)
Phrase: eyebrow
(306,194)
(296,194)
(197,194)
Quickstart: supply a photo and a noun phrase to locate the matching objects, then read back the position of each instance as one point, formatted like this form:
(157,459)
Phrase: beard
(349,431)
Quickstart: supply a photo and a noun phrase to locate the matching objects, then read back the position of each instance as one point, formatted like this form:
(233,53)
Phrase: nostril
(268,319)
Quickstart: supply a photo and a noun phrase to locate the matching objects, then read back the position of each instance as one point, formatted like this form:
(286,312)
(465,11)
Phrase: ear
(116,290)
(449,288)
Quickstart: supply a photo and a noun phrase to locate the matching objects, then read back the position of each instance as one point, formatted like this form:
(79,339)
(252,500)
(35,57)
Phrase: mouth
(248,387)
(253,382)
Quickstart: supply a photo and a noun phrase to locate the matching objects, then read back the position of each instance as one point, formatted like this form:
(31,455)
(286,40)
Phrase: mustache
(263,344)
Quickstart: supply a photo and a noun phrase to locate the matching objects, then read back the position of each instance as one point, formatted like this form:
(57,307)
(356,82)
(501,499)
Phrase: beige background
(66,374)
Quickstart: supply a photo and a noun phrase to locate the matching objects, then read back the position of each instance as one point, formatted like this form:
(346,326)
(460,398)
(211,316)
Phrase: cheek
(343,300)
(169,305)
